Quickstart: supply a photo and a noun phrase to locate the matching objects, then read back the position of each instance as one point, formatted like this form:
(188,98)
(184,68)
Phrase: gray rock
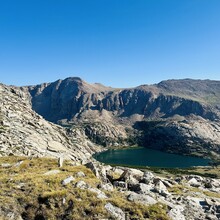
(120,184)
(131,174)
(147,177)
(80,174)
(6,165)
(10,215)
(60,161)
(18,163)
(52,172)
(100,194)
(141,188)
(176,213)
(144,199)
(81,185)
(161,188)
(131,181)
(67,180)
(194,182)
(107,187)
(115,212)
(211,217)
(213,201)
(98,170)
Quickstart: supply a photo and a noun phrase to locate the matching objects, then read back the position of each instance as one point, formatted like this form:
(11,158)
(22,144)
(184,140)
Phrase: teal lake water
(149,157)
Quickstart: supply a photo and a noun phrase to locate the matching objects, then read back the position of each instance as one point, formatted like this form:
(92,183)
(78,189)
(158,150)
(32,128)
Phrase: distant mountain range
(180,116)
(175,115)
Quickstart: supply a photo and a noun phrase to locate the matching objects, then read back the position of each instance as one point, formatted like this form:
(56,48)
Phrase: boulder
(106,186)
(131,181)
(81,185)
(18,163)
(144,199)
(141,188)
(60,161)
(117,170)
(134,173)
(147,177)
(213,202)
(80,174)
(176,213)
(98,170)
(67,180)
(115,212)
(161,188)
(6,165)
(120,184)
(10,214)
(52,172)
(211,217)
(194,182)
(100,194)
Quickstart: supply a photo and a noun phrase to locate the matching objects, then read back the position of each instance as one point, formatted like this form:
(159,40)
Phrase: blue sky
(120,43)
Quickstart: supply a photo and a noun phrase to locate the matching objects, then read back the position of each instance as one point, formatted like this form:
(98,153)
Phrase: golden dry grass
(34,194)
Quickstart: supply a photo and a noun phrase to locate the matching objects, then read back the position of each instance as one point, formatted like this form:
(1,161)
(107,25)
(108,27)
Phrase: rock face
(187,112)
(24,132)
(191,135)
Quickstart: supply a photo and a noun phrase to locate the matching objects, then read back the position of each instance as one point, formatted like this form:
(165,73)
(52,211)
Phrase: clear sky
(120,43)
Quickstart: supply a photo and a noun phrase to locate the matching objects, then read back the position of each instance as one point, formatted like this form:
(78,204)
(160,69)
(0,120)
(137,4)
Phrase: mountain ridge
(109,115)
(112,116)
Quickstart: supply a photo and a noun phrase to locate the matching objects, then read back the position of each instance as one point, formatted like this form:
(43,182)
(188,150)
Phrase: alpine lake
(141,156)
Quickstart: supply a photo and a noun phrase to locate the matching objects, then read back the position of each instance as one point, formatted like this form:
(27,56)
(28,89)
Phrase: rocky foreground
(42,188)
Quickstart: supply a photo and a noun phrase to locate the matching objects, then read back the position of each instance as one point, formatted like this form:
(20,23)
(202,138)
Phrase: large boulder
(100,194)
(99,170)
(161,188)
(115,212)
(134,173)
(120,184)
(176,213)
(148,177)
(141,188)
(67,180)
(144,199)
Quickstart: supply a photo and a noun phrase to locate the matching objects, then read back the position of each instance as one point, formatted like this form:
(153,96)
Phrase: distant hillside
(207,91)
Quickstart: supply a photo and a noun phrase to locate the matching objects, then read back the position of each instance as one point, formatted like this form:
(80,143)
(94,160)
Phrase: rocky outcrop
(24,132)
(187,197)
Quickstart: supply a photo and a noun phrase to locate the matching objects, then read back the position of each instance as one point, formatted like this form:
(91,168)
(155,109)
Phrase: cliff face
(24,132)
(70,98)
(109,115)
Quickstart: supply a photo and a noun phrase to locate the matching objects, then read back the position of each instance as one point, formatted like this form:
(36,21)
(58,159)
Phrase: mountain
(175,115)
